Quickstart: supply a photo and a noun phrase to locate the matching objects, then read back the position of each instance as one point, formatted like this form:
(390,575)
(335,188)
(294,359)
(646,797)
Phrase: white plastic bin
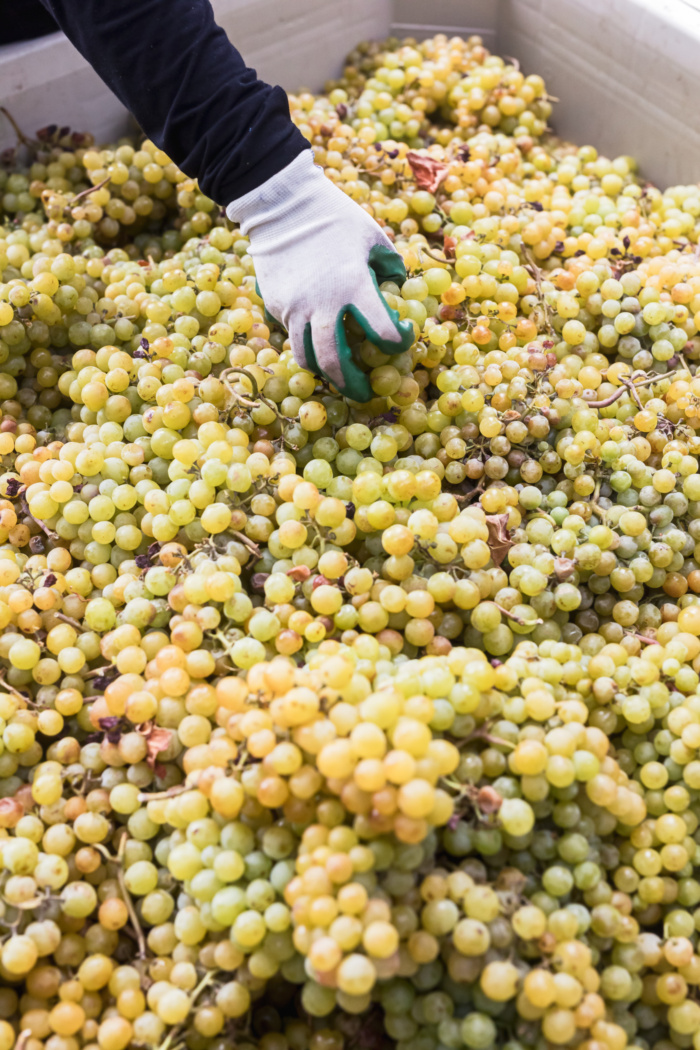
(626,72)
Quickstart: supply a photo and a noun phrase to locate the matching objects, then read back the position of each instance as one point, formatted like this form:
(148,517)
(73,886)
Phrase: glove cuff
(275,200)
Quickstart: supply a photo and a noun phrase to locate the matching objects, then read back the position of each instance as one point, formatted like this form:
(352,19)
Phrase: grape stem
(258,397)
(44,528)
(127,898)
(423,548)
(11,689)
(88,191)
(433,255)
(98,671)
(628,386)
(240,371)
(247,542)
(476,491)
(69,620)
(226,643)
(207,979)
(631,387)
(155,796)
(517,619)
(24,1036)
(165,1045)
(319,535)
(31,145)
(118,861)
(176,1032)
(536,274)
(643,638)
(608,400)
(482,733)
(25,510)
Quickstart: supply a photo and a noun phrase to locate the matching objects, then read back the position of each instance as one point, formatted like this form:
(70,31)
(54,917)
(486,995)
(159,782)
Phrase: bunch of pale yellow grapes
(327,724)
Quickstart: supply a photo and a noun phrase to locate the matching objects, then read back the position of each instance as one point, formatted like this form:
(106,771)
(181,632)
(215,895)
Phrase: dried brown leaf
(299,573)
(499,541)
(427,172)
(563,568)
(488,800)
(11,812)
(157,740)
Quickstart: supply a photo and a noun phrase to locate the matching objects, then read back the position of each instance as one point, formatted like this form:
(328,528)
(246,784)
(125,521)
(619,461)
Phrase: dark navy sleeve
(174,68)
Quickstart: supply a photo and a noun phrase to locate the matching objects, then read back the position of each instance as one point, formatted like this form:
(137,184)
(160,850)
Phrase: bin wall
(462,17)
(626,71)
(46,81)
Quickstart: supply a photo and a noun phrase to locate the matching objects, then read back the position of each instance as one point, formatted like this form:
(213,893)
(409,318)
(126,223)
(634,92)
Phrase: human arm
(175,69)
(318,255)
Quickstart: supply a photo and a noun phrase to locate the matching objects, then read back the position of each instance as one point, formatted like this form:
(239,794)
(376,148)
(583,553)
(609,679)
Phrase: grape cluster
(323,721)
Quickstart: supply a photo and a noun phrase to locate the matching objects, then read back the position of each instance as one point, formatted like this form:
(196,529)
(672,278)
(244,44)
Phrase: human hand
(319,255)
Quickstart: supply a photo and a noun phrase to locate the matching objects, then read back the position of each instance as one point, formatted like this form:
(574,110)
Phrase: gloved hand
(318,255)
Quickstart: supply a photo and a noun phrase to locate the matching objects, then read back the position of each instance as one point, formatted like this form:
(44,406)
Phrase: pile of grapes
(327,724)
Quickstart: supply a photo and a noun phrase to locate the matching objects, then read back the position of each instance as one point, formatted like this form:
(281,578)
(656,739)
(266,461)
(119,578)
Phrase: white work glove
(318,255)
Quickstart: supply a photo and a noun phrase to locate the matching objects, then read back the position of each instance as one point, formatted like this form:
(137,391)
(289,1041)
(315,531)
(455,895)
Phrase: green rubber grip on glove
(384,264)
